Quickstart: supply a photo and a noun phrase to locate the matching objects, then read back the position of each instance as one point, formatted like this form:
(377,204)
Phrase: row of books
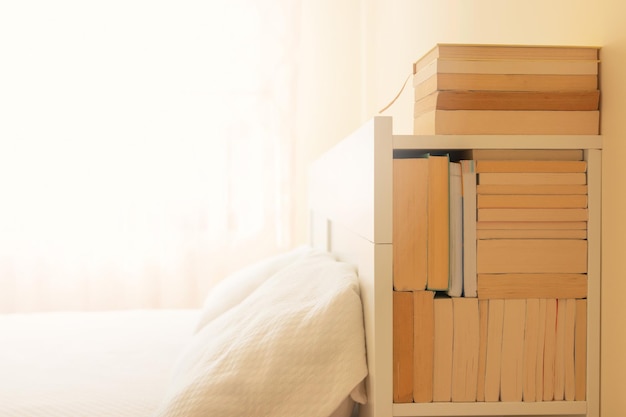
(507,89)
(491,228)
(467,350)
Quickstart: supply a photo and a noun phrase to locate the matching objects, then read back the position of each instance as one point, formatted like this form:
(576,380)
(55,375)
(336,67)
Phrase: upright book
(465,350)
(469,227)
(402,346)
(424,345)
(456,231)
(443,343)
(438,223)
(511,373)
(410,226)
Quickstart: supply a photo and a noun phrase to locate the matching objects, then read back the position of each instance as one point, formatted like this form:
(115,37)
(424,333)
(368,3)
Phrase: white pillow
(294,347)
(233,289)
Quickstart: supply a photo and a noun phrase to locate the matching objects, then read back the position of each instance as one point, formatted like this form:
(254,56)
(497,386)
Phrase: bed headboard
(351,216)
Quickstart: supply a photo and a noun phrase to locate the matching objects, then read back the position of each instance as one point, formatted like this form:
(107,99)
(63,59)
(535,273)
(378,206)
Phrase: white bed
(89,364)
(283,337)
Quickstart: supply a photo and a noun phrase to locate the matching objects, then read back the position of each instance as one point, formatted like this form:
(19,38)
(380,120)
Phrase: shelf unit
(356,207)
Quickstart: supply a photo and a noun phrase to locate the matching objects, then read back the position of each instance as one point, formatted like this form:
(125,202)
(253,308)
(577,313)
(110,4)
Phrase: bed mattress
(91,364)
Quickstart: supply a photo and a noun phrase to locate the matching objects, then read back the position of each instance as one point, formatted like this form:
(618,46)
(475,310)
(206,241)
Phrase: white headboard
(351,216)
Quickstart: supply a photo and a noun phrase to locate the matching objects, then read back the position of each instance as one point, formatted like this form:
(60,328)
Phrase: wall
(371,56)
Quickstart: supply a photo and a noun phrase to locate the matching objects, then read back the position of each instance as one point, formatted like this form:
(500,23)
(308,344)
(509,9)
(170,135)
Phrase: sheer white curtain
(145,148)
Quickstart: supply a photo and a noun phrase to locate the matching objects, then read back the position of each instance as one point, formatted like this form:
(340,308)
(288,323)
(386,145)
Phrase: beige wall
(364,52)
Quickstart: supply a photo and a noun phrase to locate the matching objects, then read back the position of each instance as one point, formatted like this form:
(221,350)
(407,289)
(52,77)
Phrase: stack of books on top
(507,89)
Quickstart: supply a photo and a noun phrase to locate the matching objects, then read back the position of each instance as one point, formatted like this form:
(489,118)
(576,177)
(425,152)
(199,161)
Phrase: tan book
(465,349)
(532,234)
(549,350)
(510,52)
(442,357)
(402,347)
(559,350)
(532,178)
(468,176)
(483,317)
(423,342)
(533,189)
(569,350)
(410,192)
(455,286)
(503,82)
(580,352)
(531,201)
(511,372)
(524,225)
(529,361)
(507,100)
(531,256)
(532,285)
(528,166)
(541,335)
(507,122)
(504,66)
(438,250)
(532,215)
(528,154)
(494,350)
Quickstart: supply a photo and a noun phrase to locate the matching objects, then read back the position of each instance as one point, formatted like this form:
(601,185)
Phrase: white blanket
(294,347)
(96,364)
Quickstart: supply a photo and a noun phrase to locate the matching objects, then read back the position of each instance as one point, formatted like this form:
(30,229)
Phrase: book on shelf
(528,154)
(410,192)
(502,256)
(511,372)
(507,100)
(531,234)
(483,317)
(532,214)
(532,178)
(531,201)
(580,355)
(455,288)
(569,350)
(541,337)
(423,342)
(468,177)
(402,346)
(494,350)
(528,225)
(507,122)
(443,342)
(531,341)
(549,350)
(504,66)
(532,285)
(559,350)
(527,166)
(503,82)
(536,189)
(438,229)
(465,349)
(510,52)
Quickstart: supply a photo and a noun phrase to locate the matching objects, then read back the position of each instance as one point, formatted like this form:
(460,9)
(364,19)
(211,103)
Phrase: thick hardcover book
(410,226)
